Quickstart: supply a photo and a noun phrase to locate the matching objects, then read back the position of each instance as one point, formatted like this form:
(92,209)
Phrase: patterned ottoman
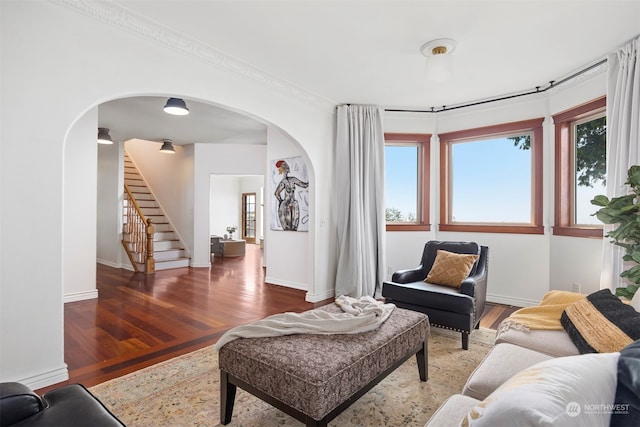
(314,378)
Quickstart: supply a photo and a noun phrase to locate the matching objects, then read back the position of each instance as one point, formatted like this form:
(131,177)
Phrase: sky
(491,183)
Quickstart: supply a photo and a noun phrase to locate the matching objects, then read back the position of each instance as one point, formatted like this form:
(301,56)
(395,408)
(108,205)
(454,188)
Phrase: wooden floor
(140,320)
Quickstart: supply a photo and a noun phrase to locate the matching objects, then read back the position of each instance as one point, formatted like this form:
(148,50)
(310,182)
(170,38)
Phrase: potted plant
(625,212)
(231,229)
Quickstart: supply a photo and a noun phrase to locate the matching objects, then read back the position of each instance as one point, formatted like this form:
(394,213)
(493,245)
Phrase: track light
(176,106)
(104,137)
(167,147)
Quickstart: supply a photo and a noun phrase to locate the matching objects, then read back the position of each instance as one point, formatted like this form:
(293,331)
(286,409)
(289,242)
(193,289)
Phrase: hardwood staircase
(168,251)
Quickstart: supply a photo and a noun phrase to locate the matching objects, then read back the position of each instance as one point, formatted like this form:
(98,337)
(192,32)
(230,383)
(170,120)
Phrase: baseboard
(320,297)
(80,296)
(285,283)
(108,263)
(199,265)
(517,302)
(46,378)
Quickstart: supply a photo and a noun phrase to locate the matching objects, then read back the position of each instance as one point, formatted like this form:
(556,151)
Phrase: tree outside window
(580,168)
(407,181)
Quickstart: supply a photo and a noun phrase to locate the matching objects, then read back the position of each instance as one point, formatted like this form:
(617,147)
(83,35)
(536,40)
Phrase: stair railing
(140,230)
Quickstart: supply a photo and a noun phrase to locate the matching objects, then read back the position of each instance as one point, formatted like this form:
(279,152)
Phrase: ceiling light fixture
(439,62)
(104,137)
(176,106)
(167,146)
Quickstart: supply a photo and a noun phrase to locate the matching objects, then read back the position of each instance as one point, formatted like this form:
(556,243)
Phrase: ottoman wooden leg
(227,398)
(422,357)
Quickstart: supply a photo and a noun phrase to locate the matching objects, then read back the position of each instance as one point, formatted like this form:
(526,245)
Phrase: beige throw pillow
(450,269)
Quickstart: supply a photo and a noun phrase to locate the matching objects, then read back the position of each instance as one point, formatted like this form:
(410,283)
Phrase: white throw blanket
(358,315)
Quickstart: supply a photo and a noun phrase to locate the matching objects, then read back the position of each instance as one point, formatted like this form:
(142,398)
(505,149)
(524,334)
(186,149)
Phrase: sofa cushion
(500,364)
(452,411)
(553,343)
(450,269)
(601,323)
(560,391)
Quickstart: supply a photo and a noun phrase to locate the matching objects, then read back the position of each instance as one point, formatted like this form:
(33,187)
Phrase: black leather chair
(69,405)
(447,307)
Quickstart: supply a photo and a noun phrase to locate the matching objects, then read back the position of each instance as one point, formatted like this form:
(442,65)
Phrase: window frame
(533,126)
(423,142)
(564,201)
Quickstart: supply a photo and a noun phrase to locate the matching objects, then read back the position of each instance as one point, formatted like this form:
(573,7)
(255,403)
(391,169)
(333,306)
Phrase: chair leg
(465,340)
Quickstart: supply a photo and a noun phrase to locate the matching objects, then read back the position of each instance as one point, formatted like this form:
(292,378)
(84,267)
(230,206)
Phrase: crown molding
(111,13)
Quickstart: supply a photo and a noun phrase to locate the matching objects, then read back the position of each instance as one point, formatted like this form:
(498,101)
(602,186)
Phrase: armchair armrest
(476,285)
(17,402)
(409,275)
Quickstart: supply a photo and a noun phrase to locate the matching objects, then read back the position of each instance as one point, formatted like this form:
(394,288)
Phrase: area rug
(184,391)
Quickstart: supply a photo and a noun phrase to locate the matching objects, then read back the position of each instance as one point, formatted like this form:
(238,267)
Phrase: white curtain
(360,200)
(623,140)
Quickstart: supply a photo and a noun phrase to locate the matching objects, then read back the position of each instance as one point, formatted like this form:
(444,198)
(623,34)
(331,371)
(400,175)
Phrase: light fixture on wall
(439,62)
(176,106)
(167,146)
(104,137)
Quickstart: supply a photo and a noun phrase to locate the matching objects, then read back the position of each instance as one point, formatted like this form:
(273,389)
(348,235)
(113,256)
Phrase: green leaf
(627,292)
(600,200)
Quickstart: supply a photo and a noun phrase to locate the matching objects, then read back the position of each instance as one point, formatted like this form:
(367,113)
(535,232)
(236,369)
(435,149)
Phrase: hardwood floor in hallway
(140,320)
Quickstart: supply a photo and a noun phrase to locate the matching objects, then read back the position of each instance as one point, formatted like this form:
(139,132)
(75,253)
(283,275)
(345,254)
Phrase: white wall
(114,58)
(80,183)
(285,256)
(110,212)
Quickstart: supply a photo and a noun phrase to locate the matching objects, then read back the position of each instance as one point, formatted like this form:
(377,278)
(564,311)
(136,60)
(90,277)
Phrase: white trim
(80,296)
(46,378)
(330,293)
(286,283)
(125,19)
(108,263)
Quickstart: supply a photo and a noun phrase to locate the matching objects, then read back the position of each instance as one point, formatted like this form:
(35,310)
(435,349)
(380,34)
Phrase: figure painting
(290,189)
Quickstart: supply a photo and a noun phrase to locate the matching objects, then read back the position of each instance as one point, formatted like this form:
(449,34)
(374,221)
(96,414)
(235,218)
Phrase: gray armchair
(216,245)
(447,307)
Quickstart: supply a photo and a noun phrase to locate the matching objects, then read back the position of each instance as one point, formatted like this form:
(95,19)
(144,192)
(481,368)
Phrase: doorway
(248,227)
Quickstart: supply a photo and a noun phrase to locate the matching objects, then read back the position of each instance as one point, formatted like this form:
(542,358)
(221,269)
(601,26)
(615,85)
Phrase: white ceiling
(368,52)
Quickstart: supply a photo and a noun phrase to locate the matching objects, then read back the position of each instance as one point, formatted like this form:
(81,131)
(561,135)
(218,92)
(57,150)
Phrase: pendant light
(176,106)
(167,147)
(104,137)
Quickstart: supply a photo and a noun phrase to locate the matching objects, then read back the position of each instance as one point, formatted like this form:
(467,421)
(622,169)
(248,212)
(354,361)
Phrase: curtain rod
(538,89)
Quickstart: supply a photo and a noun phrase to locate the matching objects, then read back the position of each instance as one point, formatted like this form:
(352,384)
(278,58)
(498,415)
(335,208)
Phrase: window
(407,181)
(491,179)
(580,156)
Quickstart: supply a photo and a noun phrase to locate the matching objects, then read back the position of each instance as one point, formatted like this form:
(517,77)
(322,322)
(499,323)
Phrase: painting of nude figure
(290,190)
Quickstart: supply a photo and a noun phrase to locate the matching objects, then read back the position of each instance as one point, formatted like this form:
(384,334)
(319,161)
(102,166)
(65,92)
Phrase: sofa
(536,377)
(69,405)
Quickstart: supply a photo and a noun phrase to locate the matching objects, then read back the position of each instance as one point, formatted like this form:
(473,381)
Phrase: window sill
(408,227)
(485,228)
(586,232)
